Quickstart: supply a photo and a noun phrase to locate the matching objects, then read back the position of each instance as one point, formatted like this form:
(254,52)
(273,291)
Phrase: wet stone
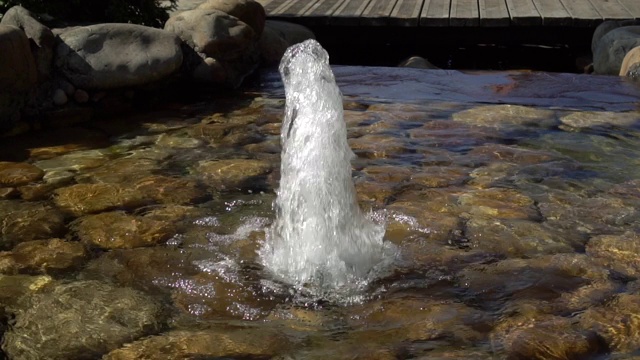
(117,230)
(233,173)
(600,119)
(618,252)
(75,161)
(24,221)
(493,285)
(512,154)
(387,173)
(16,174)
(505,115)
(176,141)
(8,193)
(377,146)
(416,319)
(552,339)
(373,192)
(499,203)
(120,171)
(407,218)
(211,295)
(220,343)
(617,322)
(170,190)
(53,256)
(440,176)
(81,320)
(155,269)
(15,288)
(451,135)
(514,237)
(81,199)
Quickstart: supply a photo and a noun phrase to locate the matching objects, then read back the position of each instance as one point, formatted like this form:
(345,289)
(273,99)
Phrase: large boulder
(17,73)
(248,11)
(107,56)
(607,26)
(222,48)
(631,64)
(42,38)
(212,32)
(613,47)
(277,37)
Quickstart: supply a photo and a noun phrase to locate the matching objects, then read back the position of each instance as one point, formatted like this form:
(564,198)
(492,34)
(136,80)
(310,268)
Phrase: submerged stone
(24,221)
(170,190)
(498,203)
(505,115)
(211,343)
(81,320)
(117,230)
(48,256)
(618,252)
(16,174)
(233,173)
(617,322)
(81,199)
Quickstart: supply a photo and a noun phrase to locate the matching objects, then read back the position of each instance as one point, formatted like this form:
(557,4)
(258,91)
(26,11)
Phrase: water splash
(320,242)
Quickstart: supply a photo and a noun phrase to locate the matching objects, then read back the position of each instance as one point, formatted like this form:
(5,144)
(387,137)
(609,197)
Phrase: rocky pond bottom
(513,200)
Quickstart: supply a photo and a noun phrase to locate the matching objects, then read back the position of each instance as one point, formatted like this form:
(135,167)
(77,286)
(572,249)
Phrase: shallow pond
(512,199)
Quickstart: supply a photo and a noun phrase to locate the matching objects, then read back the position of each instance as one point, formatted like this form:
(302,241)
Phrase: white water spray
(320,240)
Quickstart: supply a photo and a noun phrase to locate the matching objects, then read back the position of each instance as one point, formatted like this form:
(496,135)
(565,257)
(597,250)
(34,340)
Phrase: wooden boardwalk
(453,13)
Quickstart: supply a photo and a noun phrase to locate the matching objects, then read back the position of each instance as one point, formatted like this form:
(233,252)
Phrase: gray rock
(42,39)
(212,32)
(277,37)
(248,11)
(17,73)
(214,35)
(607,26)
(107,56)
(80,320)
(613,47)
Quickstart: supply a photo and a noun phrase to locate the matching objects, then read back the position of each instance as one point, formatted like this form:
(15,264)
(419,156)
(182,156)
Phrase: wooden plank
(320,12)
(293,8)
(464,13)
(553,12)
(406,13)
(435,13)
(493,13)
(348,13)
(523,12)
(611,9)
(377,12)
(270,5)
(632,6)
(582,12)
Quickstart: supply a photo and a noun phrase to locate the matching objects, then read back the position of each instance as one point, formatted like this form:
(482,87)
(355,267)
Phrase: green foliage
(144,12)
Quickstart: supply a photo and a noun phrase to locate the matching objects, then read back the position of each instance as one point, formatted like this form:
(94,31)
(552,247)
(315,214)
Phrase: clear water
(511,198)
(320,241)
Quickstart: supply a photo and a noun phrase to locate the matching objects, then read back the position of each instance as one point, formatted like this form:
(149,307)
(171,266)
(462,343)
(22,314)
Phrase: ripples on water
(516,225)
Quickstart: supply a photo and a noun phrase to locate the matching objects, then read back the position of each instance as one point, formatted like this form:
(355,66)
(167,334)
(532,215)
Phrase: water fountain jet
(320,242)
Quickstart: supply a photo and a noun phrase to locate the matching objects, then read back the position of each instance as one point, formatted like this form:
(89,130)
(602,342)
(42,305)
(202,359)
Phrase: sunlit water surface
(512,199)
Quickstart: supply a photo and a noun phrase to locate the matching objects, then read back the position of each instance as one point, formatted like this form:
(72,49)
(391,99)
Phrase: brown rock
(212,343)
(169,190)
(618,252)
(81,199)
(498,203)
(233,173)
(48,256)
(16,174)
(617,322)
(117,230)
(28,221)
